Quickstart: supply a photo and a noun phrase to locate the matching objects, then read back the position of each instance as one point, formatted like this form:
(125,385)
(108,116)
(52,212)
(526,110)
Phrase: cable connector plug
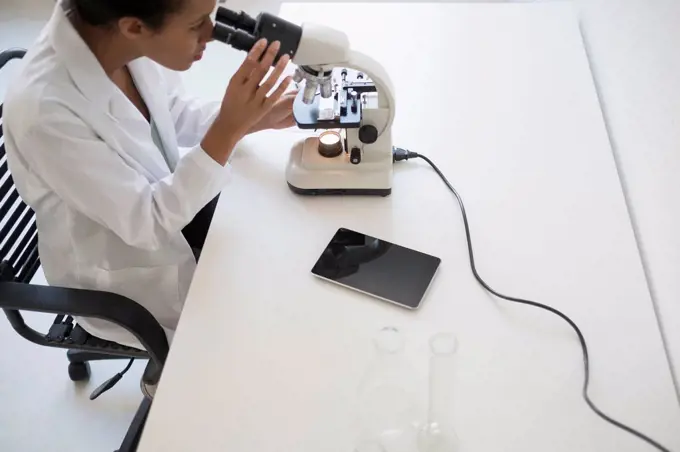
(399,154)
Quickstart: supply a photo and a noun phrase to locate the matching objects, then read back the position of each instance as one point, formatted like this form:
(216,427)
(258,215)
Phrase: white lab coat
(110,210)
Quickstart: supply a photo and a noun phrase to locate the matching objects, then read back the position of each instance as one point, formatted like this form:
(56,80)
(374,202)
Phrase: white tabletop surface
(633,48)
(267,358)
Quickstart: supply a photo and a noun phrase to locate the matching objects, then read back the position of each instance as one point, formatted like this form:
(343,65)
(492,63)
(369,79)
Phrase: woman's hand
(280,116)
(247,100)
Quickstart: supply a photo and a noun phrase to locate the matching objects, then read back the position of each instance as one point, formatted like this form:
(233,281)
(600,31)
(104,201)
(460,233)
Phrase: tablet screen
(376,267)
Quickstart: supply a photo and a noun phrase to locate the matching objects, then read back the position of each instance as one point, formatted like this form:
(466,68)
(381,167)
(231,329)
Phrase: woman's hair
(107,12)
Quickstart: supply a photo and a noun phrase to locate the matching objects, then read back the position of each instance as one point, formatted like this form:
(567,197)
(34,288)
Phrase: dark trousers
(196,232)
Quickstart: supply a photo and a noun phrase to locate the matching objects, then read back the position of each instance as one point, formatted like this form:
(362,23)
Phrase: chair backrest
(18,230)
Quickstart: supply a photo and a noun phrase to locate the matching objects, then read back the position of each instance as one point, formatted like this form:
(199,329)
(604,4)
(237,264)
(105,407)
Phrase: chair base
(79,371)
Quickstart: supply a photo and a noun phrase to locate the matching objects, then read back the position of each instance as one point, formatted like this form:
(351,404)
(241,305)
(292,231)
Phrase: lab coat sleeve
(94,179)
(192,116)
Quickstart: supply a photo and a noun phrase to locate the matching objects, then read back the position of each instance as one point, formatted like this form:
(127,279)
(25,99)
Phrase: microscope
(346,93)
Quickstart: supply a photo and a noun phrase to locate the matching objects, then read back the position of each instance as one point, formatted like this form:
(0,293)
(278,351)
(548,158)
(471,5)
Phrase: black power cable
(402,154)
(111,382)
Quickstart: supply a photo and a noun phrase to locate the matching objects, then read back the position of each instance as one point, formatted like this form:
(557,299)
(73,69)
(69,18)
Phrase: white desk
(266,357)
(633,48)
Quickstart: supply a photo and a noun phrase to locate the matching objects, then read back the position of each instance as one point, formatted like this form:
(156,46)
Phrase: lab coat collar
(160,113)
(82,65)
(91,80)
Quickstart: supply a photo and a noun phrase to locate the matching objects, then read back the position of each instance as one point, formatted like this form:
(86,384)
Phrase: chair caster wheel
(79,371)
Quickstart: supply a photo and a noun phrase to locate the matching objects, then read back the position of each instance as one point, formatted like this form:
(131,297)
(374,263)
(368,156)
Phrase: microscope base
(309,173)
(339,191)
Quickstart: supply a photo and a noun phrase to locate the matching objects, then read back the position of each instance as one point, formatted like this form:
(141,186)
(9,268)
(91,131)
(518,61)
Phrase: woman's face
(183,38)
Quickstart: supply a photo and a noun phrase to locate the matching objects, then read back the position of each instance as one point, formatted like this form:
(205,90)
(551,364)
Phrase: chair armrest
(10,54)
(90,303)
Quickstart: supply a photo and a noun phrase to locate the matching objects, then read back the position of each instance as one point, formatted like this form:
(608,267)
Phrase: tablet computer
(378,268)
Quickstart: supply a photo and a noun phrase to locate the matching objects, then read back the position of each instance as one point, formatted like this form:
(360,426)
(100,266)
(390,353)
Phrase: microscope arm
(376,72)
(322,48)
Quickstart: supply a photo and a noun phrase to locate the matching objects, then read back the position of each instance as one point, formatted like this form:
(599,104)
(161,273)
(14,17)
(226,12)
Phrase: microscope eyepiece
(238,20)
(238,39)
(241,31)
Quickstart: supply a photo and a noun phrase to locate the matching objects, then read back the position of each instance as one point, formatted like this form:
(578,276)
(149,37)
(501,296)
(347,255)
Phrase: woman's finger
(269,84)
(260,71)
(251,62)
(288,121)
(276,95)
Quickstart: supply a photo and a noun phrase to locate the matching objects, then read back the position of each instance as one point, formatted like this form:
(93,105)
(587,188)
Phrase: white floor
(43,410)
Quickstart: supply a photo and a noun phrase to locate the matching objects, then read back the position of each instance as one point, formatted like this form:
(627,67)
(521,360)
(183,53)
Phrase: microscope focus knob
(368,134)
(355,156)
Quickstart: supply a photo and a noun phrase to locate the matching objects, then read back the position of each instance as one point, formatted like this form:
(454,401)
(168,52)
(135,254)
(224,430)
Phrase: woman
(92,129)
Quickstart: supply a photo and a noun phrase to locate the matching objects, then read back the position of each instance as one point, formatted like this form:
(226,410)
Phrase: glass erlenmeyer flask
(387,406)
(438,433)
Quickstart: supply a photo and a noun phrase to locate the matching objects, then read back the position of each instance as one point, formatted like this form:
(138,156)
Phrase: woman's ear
(133,28)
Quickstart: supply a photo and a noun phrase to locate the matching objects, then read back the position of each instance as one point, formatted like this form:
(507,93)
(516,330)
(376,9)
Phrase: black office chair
(19,261)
